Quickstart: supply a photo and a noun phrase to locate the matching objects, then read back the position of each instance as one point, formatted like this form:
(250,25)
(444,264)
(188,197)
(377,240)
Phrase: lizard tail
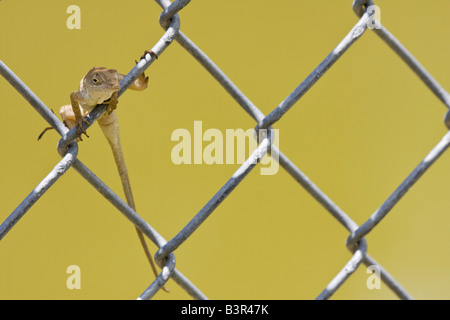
(109,125)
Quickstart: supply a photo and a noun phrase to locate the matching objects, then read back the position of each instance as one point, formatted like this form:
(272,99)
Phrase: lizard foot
(151,53)
(112,104)
(141,82)
(79,128)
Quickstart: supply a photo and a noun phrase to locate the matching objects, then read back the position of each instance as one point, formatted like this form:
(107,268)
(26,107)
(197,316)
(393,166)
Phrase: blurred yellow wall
(357,134)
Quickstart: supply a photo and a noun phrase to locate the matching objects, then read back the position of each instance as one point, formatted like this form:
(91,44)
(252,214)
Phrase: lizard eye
(95,80)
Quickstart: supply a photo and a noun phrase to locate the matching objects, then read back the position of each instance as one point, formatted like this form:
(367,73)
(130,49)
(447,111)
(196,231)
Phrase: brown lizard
(101,85)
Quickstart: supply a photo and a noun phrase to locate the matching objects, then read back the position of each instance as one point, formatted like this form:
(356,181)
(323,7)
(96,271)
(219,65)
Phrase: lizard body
(96,87)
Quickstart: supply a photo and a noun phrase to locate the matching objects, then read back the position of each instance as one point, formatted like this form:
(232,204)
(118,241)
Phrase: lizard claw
(141,82)
(79,127)
(42,133)
(112,104)
(151,53)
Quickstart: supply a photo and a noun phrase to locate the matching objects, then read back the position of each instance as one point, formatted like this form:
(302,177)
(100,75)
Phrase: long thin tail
(110,128)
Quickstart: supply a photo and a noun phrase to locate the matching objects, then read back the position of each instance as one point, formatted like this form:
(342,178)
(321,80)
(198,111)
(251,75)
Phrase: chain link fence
(165,257)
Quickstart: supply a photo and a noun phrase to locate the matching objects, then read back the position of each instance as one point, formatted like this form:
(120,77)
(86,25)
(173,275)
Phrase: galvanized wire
(170,21)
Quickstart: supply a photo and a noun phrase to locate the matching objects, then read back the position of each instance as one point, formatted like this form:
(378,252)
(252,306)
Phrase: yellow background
(357,134)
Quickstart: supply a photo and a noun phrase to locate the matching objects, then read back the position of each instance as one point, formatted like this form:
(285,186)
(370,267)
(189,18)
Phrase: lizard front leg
(141,83)
(112,104)
(75,97)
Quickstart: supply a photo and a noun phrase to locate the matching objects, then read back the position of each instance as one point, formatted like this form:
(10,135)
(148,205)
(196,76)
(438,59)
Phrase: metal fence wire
(170,21)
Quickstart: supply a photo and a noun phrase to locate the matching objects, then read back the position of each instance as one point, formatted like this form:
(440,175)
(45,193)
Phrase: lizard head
(102,80)
(99,84)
